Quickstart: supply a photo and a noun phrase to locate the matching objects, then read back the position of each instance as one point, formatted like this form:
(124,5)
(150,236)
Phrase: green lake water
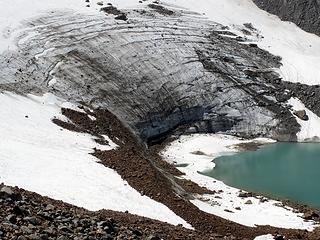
(283,170)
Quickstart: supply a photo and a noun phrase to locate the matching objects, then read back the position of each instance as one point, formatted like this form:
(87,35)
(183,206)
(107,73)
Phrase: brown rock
(301,114)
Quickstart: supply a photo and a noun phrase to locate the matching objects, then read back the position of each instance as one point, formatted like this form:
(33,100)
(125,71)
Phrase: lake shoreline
(234,146)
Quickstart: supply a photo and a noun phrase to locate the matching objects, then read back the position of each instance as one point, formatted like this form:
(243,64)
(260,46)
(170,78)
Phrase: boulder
(301,114)
(311,215)
(245,194)
(6,192)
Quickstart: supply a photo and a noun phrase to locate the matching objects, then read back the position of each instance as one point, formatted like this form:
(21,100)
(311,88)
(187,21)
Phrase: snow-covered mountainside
(88,87)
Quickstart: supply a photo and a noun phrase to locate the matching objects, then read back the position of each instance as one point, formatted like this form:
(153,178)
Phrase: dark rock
(279,237)
(11,218)
(18,210)
(227,210)
(245,194)
(6,192)
(122,17)
(111,10)
(160,9)
(248,202)
(33,220)
(311,215)
(301,114)
(137,232)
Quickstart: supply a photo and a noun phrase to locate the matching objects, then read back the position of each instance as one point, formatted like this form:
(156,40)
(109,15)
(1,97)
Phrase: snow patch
(39,156)
(264,237)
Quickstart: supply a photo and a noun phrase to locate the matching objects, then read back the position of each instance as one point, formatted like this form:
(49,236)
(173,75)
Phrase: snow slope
(39,156)
(310,130)
(184,151)
(300,51)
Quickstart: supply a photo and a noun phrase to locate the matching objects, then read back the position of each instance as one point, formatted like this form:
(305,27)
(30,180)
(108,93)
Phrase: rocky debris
(311,215)
(245,194)
(248,202)
(301,114)
(160,9)
(250,26)
(113,10)
(122,17)
(41,218)
(304,13)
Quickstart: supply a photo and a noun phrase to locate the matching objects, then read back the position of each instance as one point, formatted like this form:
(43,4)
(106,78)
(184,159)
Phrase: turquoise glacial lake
(281,170)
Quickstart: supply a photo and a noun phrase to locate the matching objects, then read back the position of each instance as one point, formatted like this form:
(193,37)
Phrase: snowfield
(300,51)
(39,156)
(184,151)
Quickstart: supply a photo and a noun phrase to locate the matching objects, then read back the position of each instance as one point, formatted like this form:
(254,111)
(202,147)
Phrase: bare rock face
(304,13)
(155,71)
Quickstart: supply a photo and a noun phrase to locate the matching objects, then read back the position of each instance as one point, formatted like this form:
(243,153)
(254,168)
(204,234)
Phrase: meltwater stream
(284,170)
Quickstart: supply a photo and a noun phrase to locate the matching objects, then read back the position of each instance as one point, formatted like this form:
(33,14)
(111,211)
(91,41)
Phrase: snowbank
(39,156)
(300,51)
(198,151)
